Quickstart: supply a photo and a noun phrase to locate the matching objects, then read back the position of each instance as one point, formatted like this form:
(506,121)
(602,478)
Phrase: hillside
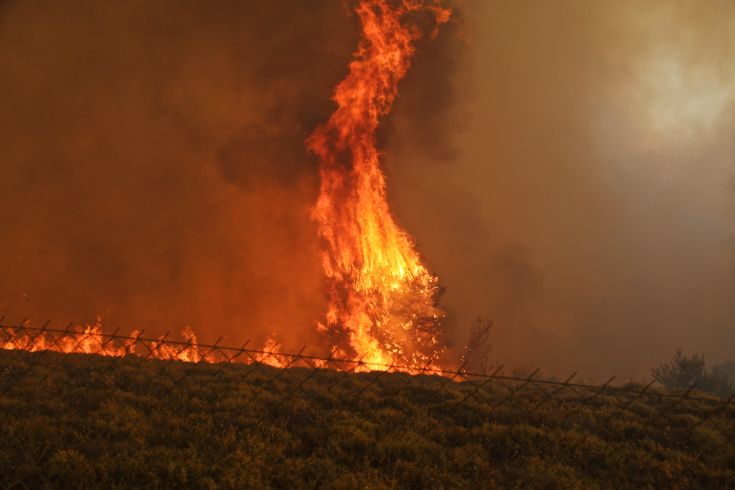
(91,421)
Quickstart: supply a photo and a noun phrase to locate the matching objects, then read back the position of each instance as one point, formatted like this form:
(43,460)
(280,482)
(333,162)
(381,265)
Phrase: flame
(91,339)
(269,354)
(382,307)
(382,298)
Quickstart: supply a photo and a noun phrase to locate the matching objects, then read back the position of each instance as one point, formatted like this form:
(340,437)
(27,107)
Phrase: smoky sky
(566,168)
(154,166)
(582,194)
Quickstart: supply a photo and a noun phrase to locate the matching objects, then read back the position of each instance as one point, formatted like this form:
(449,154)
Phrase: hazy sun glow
(682,98)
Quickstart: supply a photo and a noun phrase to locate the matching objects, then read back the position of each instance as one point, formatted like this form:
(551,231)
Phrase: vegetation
(476,357)
(725,372)
(95,422)
(684,371)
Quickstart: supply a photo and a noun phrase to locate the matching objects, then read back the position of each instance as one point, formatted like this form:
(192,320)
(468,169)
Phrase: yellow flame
(382,298)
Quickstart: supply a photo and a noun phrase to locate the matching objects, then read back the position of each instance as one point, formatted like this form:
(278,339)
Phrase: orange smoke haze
(159,173)
(565,169)
(573,180)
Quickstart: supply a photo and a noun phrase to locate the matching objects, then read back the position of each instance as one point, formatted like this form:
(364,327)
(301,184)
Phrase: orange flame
(91,339)
(269,354)
(382,298)
(88,340)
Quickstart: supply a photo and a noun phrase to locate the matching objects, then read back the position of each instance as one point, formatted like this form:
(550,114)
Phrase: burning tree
(382,298)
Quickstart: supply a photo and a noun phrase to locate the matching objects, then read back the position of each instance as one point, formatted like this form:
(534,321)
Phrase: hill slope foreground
(92,421)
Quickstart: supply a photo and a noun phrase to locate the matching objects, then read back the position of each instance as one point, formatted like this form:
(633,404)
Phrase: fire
(382,308)
(87,340)
(91,339)
(382,298)
(269,354)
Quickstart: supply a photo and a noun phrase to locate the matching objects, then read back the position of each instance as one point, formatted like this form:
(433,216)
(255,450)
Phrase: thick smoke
(566,169)
(154,169)
(588,209)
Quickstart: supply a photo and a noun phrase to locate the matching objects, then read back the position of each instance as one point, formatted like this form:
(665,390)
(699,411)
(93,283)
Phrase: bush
(683,372)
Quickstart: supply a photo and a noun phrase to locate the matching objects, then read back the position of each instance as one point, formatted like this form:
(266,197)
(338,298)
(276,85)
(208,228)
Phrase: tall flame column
(382,298)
